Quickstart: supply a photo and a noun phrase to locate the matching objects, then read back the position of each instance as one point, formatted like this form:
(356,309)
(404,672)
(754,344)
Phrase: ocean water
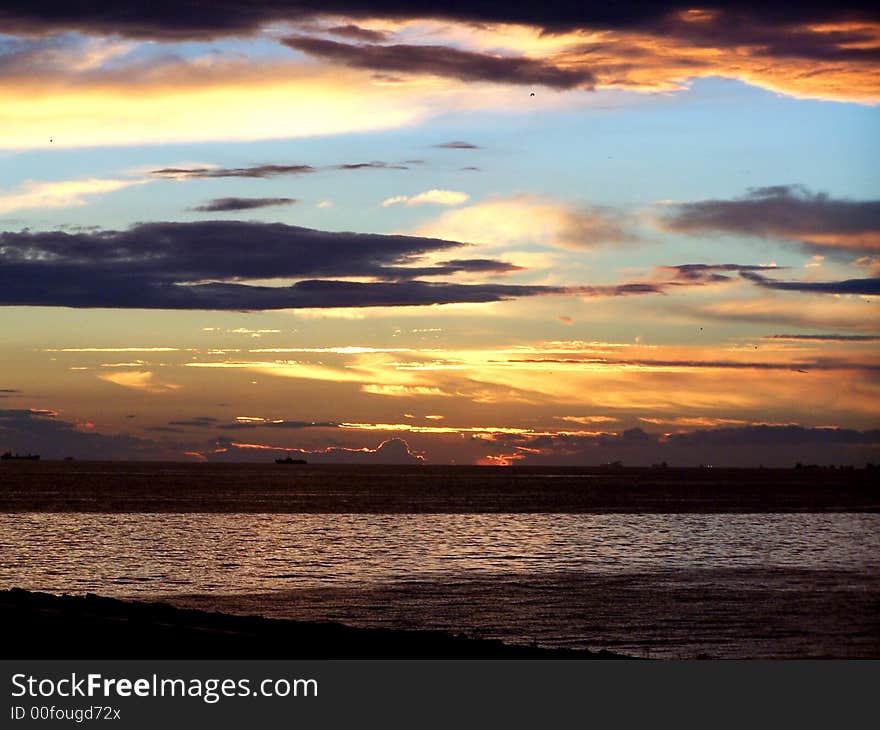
(661,585)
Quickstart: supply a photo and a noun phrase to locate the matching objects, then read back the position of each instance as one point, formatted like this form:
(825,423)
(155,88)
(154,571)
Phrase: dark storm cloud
(238,297)
(164,429)
(446,268)
(329,293)
(444,61)
(699,274)
(678,277)
(802,366)
(187,252)
(13,415)
(784,211)
(825,338)
(265,170)
(228,204)
(43,432)
(408,293)
(245,425)
(847,286)
(164,19)
(776,435)
(259,171)
(196,422)
(356,33)
(708,273)
(199,265)
(633,288)
(369,165)
(778,446)
(457,145)
(777,36)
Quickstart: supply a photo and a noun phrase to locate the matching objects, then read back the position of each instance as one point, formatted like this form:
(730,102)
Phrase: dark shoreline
(157,487)
(46,626)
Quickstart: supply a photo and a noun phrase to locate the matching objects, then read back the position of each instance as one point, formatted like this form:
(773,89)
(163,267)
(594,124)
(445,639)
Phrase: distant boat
(23,457)
(290,460)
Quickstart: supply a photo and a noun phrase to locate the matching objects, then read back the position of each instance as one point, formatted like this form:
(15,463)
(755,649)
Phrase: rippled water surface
(150,553)
(674,585)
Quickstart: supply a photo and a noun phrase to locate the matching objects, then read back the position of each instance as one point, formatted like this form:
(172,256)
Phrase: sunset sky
(564,234)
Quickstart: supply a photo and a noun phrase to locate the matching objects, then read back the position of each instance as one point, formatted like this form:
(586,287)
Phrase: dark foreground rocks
(45,626)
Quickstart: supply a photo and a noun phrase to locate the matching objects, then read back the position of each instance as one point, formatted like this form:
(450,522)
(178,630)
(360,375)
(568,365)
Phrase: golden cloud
(189,101)
(138,380)
(526,220)
(60,194)
(647,62)
(429,197)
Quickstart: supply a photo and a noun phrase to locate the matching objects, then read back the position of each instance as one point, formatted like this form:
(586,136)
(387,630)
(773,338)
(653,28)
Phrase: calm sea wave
(666,585)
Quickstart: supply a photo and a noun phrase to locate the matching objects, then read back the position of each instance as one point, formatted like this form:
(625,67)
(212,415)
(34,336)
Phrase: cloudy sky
(567,233)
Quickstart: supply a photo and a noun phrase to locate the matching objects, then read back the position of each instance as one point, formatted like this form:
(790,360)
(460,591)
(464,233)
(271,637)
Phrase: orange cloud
(79,100)
(199,100)
(589,384)
(846,312)
(526,220)
(138,380)
(667,61)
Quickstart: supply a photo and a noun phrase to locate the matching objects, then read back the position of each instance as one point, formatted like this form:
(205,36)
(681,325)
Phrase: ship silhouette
(7,456)
(290,460)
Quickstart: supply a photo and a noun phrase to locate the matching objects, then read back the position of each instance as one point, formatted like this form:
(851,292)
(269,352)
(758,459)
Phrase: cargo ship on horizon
(8,455)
